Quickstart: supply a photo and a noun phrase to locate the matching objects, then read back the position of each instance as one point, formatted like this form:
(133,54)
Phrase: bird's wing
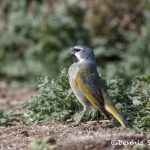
(89,82)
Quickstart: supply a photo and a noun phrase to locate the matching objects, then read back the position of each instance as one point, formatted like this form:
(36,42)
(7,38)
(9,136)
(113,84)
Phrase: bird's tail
(111,109)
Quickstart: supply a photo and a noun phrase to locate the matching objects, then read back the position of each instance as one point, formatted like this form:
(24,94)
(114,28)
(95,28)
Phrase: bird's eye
(77,50)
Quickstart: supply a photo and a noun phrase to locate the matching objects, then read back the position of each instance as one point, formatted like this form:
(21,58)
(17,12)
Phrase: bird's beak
(72,52)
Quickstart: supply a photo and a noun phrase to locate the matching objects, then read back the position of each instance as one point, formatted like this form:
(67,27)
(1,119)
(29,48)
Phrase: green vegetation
(35,34)
(55,102)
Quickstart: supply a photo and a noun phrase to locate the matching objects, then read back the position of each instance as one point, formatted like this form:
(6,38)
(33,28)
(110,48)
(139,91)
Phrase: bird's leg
(97,116)
(80,116)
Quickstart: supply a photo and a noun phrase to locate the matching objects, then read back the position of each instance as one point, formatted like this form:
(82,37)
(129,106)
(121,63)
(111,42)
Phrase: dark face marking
(76,50)
(75,59)
(73,51)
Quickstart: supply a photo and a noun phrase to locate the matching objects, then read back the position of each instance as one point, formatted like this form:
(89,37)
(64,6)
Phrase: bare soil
(14,96)
(88,136)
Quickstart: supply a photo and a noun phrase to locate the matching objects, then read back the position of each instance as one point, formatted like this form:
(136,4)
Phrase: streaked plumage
(87,86)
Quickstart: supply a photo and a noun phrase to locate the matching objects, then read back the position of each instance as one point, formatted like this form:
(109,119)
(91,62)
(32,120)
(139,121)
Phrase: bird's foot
(78,120)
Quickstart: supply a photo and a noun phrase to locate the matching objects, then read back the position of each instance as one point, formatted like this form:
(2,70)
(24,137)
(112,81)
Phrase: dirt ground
(62,136)
(87,136)
(11,97)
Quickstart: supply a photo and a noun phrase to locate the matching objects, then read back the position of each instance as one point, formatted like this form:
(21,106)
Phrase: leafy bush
(7,118)
(35,34)
(133,101)
(55,102)
(31,38)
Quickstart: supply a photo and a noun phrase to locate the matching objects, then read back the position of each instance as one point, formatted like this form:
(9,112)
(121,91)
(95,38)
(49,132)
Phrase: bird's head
(80,53)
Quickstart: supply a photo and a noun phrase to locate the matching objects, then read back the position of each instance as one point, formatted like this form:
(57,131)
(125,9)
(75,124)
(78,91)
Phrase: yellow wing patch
(86,89)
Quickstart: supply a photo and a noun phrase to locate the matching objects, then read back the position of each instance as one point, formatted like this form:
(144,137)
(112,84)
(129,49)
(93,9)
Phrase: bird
(86,84)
